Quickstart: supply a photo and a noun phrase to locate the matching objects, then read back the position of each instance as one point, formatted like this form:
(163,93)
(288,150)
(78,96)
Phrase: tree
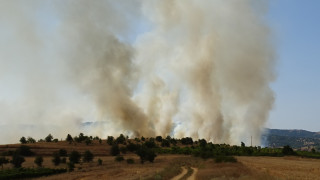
(38,160)
(287,150)
(121,139)
(146,153)
(69,138)
(17,160)
(70,166)
(23,140)
(159,138)
(63,152)
(115,150)
(3,161)
(74,157)
(313,150)
(99,162)
(110,140)
(87,156)
(31,140)
(88,141)
(56,159)
(165,143)
(24,151)
(242,144)
(49,138)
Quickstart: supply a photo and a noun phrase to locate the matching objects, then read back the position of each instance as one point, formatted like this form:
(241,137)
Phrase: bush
(23,173)
(123,150)
(220,159)
(131,147)
(24,151)
(56,159)
(70,166)
(63,153)
(146,153)
(17,160)
(3,161)
(121,139)
(115,150)
(87,156)
(130,161)
(99,162)
(38,160)
(287,150)
(64,160)
(119,158)
(74,157)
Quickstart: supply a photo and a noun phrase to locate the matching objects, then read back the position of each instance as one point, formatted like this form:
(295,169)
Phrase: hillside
(298,139)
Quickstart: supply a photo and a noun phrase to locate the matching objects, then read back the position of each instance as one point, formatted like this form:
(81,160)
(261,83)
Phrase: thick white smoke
(179,68)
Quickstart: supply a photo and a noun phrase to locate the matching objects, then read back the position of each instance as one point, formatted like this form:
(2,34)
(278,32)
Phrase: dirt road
(194,174)
(184,172)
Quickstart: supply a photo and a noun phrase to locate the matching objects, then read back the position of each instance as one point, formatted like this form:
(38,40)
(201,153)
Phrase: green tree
(115,150)
(99,162)
(110,140)
(87,156)
(31,140)
(56,159)
(159,138)
(146,153)
(23,140)
(74,157)
(69,138)
(49,138)
(287,150)
(63,153)
(38,160)
(17,160)
(88,141)
(121,139)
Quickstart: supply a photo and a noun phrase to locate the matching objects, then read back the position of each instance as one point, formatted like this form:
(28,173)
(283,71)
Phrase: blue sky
(296,28)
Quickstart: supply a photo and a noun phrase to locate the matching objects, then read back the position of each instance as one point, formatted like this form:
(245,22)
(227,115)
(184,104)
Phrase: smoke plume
(144,68)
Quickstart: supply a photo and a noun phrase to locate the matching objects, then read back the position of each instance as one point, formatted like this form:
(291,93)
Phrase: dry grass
(168,166)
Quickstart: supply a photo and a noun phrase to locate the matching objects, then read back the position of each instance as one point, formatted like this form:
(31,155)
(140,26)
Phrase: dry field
(169,166)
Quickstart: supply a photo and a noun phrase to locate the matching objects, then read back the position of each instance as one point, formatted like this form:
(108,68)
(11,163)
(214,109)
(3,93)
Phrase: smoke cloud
(144,68)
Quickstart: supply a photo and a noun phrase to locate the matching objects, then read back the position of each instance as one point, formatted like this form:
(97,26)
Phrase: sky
(296,29)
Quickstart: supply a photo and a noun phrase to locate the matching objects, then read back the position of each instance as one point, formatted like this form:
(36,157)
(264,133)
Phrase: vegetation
(87,156)
(3,160)
(20,173)
(130,161)
(74,157)
(115,150)
(38,161)
(17,160)
(56,159)
(99,162)
(119,158)
(49,138)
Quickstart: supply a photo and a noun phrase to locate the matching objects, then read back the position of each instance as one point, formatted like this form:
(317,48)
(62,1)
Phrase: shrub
(63,153)
(131,147)
(56,159)
(115,150)
(121,139)
(130,161)
(38,160)
(88,141)
(64,160)
(87,156)
(123,150)
(220,159)
(70,166)
(17,160)
(119,158)
(24,151)
(146,153)
(99,162)
(3,161)
(74,157)
(287,150)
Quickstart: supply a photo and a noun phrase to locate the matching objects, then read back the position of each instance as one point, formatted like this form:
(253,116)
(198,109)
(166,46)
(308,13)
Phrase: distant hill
(298,139)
